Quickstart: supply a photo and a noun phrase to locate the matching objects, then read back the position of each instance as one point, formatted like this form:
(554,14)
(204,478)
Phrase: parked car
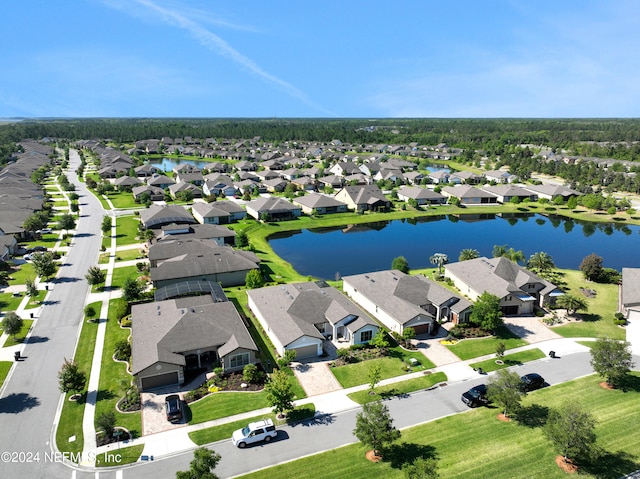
(532,381)
(254,432)
(173,408)
(44,231)
(40,249)
(476,396)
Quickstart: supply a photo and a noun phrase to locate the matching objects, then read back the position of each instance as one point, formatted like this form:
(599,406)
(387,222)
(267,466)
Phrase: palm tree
(541,262)
(571,303)
(503,251)
(439,259)
(468,253)
(499,250)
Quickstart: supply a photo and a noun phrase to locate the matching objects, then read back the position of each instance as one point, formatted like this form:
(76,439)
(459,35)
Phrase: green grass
(509,360)
(224,431)
(473,348)
(119,457)
(121,274)
(223,404)
(393,365)
(126,230)
(73,411)
(475,444)
(25,271)
(111,372)
(129,254)
(5,367)
(19,338)
(37,300)
(9,302)
(597,321)
(398,389)
(122,199)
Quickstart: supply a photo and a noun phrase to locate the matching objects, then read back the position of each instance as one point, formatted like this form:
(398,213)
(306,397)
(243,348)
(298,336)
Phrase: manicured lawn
(26,324)
(475,444)
(73,411)
(9,302)
(398,389)
(393,365)
(121,274)
(123,200)
(223,404)
(509,360)
(224,431)
(127,230)
(5,367)
(111,372)
(598,319)
(35,302)
(25,271)
(472,348)
(119,457)
(129,254)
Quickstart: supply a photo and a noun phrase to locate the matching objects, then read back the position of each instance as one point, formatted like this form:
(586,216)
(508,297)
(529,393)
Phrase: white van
(254,432)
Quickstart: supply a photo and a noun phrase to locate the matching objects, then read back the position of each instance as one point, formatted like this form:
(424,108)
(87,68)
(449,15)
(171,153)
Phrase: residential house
(182,187)
(499,176)
(345,168)
(195,178)
(275,185)
(469,196)
(161,181)
(413,177)
(506,193)
(551,192)
(155,193)
(422,196)
(363,198)
(466,177)
(157,216)
(630,304)
(170,337)
(400,301)
(439,176)
(221,235)
(218,212)
(300,316)
(275,209)
(520,291)
(316,203)
(126,183)
(199,259)
(146,170)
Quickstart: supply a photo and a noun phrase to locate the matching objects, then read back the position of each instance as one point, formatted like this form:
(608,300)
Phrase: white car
(254,432)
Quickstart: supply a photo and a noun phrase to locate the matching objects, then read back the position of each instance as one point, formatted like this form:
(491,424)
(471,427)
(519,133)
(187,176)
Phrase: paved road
(31,396)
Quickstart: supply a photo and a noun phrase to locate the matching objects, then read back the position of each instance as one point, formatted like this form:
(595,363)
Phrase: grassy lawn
(26,325)
(9,302)
(127,230)
(475,444)
(121,274)
(111,372)
(398,389)
(5,367)
(122,199)
(73,411)
(472,348)
(223,404)
(129,254)
(19,276)
(35,302)
(224,431)
(393,365)
(597,321)
(119,457)
(510,360)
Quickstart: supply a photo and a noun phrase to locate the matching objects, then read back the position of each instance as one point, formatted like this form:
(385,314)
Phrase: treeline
(491,135)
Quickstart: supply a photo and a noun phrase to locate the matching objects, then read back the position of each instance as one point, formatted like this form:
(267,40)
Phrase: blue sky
(348,58)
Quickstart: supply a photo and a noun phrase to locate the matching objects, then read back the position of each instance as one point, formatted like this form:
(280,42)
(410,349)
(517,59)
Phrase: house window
(366,336)
(239,360)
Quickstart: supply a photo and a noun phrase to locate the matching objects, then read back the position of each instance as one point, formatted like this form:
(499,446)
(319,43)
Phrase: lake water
(347,250)
(167,164)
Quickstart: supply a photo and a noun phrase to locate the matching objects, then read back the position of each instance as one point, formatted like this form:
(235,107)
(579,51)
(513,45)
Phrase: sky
(328,58)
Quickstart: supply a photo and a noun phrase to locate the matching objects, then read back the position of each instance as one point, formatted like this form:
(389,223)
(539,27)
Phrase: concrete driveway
(154,418)
(315,376)
(530,328)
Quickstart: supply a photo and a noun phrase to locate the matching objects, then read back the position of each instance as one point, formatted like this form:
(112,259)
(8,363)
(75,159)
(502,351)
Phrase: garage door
(421,328)
(306,352)
(160,380)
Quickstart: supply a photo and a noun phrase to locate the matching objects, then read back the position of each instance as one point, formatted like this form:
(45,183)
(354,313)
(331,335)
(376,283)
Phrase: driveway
(530,328)
(315,376)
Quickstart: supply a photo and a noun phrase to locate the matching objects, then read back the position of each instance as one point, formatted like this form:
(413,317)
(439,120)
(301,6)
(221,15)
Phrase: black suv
(532,381)
(476,396)
(172,407)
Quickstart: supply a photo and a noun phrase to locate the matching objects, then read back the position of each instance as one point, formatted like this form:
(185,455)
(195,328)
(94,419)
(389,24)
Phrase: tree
(279,392)
(242,240)
(503,251)
(287,358)
(505,388)
(500,349)
(147,235)
(486,312)
(32,289)
(468,253)
(106,422)
(202,466)
(35,221)
(90,311)
(44,264)
(400,263)
(132,289)
(591,267)
(572,431)
(439,259)
(380,340)
(12,324)
(541,262)
(254,279)
(571,303)
(374,375)
(374,426)
(421,468)
(611,359)
(66,222)
(70,378)
(95,275)
(106,224)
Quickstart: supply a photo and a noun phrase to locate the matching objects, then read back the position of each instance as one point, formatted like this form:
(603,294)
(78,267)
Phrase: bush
(126,322)
(122,350)
(120,308)
(252,374)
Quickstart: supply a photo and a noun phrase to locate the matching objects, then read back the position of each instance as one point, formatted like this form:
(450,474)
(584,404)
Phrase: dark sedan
(532,381)
(476,396)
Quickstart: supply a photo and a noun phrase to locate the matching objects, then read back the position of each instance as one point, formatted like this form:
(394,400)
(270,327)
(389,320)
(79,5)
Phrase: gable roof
(164,214)
(316,200)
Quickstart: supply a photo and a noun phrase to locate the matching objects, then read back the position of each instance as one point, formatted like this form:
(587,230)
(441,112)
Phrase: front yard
(473,348)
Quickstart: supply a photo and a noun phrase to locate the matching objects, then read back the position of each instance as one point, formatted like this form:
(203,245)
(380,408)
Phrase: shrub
(122,350)
(251,373)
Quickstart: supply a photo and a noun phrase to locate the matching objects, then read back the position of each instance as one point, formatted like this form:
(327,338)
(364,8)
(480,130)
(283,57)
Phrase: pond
(353,249)
(167,164)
